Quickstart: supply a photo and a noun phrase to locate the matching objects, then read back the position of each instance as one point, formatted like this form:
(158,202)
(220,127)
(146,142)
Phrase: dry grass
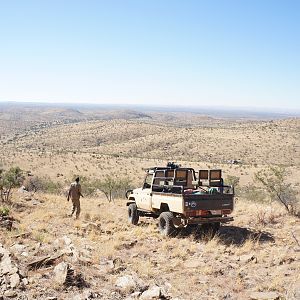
(186,266)
(142,251)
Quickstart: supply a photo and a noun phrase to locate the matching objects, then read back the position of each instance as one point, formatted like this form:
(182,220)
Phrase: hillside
(100,256)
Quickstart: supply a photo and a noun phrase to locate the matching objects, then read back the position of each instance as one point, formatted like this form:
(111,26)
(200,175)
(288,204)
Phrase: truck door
(146,194)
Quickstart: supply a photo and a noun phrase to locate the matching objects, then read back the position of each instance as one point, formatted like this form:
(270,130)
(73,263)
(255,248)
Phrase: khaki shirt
(75,191)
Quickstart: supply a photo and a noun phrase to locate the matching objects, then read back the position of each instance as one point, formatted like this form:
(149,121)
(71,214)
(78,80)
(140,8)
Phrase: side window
(148,181)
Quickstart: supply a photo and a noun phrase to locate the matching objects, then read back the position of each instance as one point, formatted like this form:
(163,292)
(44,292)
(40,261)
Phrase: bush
(232,180)
(42,184)
(8,180)
(4,211)
(253,193)
(113,187)
(274,181)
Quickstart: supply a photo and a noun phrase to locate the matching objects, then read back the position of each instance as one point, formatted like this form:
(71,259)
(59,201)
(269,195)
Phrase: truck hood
(137,191)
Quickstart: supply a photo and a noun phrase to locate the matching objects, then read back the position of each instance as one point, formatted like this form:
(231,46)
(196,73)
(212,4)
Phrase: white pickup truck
(180,197)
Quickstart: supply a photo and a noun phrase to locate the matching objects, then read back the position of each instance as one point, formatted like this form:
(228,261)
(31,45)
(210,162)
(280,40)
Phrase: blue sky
(156,52)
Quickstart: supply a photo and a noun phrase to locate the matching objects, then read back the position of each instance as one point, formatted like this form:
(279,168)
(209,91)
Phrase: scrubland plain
(255,257)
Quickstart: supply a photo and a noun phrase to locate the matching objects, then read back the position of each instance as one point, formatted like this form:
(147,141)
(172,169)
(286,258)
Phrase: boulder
(14,280)
(10,294)
(6,265)
(106,266)
(130,283)
(126,283)
(154,292)
(61,272)
(17,248)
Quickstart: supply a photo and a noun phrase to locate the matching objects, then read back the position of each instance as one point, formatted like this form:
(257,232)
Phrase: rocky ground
(48,255)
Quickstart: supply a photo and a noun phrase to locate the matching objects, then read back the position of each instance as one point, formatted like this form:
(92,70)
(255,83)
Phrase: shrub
(253,193)
(113,187)
(232,180)
(4,211)
(42,184)
(8,180)
(274,181)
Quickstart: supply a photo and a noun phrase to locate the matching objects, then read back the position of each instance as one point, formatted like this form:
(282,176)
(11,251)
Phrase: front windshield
(148,181)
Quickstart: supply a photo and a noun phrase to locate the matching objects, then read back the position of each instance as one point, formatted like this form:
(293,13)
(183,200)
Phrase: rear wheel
(133,216)
(165,224)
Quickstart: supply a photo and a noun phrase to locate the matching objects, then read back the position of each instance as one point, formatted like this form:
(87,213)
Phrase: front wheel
(133,216)
(165,224)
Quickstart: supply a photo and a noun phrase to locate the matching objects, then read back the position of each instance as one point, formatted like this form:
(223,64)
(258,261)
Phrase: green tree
(232,180)
(274,181)
(8,180)
(113,187)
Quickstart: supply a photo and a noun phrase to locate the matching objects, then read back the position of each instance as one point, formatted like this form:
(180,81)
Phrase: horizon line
(279,110)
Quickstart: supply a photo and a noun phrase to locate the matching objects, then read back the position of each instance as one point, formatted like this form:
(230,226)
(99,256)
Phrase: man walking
(75,193)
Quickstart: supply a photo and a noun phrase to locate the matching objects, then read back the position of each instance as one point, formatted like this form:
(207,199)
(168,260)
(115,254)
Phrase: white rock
(6,266)
(154,292)
(14,280)
(62,242)
(106,266)
(126,283)
(10,294)
(67,240)
(17,248)
(61,271)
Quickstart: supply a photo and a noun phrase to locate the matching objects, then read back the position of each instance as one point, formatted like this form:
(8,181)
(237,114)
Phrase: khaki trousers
(76,207)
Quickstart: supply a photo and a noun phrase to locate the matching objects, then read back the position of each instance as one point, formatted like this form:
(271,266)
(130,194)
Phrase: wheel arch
(130,201)
(164,207)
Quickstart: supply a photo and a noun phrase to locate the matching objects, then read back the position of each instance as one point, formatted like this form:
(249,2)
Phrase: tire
(165,224)
(133,216)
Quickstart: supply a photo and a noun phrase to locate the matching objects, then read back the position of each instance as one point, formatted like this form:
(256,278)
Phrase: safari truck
(182,198)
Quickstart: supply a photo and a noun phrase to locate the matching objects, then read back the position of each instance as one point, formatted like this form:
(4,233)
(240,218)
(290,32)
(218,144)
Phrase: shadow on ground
(229,235)
(238,235)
